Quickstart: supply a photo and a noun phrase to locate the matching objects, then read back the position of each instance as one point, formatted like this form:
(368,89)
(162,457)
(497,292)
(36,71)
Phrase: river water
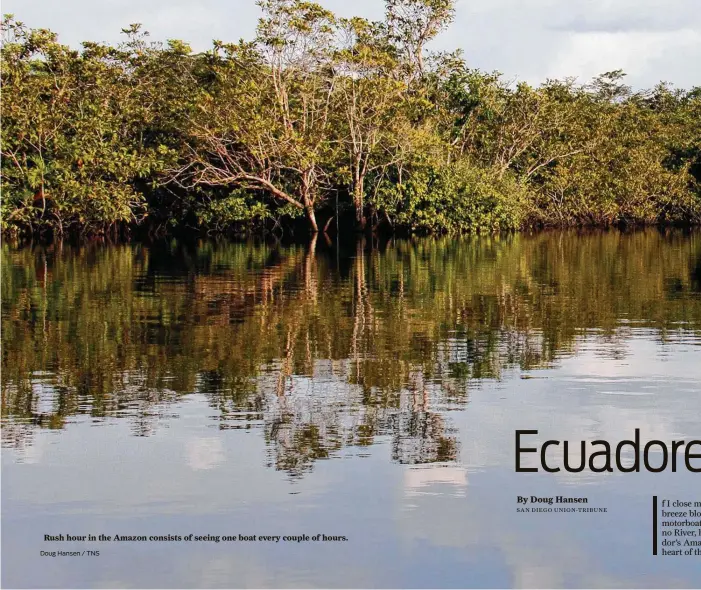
(368,392)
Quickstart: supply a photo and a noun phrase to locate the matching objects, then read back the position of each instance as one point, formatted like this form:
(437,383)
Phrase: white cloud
(525,39)
(642,52)
(204,452)
(425,479)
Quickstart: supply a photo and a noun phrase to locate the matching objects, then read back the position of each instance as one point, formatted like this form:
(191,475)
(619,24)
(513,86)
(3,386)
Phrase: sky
(531,40)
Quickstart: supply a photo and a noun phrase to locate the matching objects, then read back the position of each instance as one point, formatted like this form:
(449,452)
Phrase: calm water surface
(367,391)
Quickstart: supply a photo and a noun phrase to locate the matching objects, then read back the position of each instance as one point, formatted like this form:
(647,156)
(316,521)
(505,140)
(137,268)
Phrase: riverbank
(335,126)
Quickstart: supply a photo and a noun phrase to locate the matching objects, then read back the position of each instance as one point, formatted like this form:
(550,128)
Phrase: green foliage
(256,134)
(72,136)
(230,211)
(457,198)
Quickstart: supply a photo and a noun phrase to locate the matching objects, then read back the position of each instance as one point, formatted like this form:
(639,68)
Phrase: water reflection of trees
(321,351)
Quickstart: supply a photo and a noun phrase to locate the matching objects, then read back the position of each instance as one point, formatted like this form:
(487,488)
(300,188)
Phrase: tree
(413,23)
(265,124)
(368,101)
(73,134)
(259,133)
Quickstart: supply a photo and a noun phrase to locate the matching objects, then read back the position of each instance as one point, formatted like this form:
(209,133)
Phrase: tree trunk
(308,201)
(358,202)
(420,59)
(311,218)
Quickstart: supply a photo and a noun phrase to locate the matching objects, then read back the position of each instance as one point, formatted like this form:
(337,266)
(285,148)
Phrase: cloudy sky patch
(532,40)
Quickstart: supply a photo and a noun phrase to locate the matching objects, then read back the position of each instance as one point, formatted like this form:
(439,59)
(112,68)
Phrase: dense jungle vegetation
(322,122)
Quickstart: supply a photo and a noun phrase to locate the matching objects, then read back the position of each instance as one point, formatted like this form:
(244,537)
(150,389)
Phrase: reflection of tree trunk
(311,288)
(361,307)
(419,393)
(286,367)
(273,276)
(308,296)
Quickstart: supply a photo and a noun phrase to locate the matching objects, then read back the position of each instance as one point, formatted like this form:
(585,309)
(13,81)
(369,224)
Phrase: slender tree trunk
(420,59)
(311,218)
(358,202)
(308,201)
(358,198)
(357,188)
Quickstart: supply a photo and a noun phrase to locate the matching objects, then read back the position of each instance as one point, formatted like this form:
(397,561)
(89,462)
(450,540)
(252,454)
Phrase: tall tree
(266,122)
(413,23)
(369,100)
